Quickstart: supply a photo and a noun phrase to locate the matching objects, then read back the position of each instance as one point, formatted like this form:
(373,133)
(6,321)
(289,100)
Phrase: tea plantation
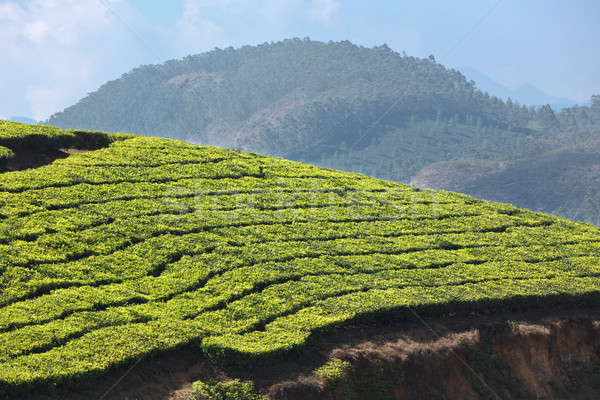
(150,245)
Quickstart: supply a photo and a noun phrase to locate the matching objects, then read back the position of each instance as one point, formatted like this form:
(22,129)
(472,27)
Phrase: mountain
(24,120)
(529,94)
(574,174)
(313,102)
(561,179)
(524,94)
(337,105)
(150,248)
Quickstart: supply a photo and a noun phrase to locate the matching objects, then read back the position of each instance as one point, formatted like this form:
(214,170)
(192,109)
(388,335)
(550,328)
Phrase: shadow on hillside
(168,376)
(34,159)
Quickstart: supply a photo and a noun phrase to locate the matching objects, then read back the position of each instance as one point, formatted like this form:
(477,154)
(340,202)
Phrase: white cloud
(36,31)
(194,27)
(51,50)
(56,51)
(43,99)
(10,11)
(212,23)
(47,21)
(324,10)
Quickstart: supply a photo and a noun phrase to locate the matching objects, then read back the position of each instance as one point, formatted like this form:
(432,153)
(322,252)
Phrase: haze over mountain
(369,110)
(524,94)
(54,53)
(23,120)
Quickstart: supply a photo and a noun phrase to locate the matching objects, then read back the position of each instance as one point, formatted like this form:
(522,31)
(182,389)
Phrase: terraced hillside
(151,245)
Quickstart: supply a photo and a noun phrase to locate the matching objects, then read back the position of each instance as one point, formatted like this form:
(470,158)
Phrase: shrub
(333,371)
(232,390)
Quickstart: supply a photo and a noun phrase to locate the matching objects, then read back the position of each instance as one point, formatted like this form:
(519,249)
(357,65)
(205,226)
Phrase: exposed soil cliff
(547,358)
(553,354)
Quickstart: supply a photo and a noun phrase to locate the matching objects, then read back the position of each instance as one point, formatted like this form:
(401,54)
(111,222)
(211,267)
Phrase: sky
(55,52)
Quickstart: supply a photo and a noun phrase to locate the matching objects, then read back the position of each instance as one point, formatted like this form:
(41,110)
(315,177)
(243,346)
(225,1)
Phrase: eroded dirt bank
(551,359)
(554,354)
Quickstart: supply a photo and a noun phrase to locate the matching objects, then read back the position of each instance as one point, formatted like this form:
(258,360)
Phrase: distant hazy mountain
(368,110)
(562,182)
(526,94)
(23,120)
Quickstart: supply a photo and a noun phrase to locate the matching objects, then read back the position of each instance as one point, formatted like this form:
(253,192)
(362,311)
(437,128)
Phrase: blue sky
(55,52)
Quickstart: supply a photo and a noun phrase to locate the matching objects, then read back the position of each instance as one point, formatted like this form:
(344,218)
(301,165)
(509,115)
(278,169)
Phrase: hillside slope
(151,245)
(563,182)
(338,105)
(312,102)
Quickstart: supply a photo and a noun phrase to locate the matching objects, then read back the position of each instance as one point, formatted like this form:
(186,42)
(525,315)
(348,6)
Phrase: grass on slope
(151,244)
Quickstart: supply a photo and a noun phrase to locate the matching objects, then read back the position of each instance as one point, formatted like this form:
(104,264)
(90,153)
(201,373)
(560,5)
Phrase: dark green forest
(369,110)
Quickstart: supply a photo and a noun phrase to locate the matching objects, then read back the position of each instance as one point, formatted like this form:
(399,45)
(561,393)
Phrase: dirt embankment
(553,354)
(552,359)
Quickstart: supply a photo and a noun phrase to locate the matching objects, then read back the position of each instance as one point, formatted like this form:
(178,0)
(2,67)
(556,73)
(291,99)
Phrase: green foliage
(152,245)
(20,137)
(232,390)
(562,182)
(376,379)
(333,371)
(489,371)
(367,110)
(5,154)
(513,325)
(340,379)
(323,96)
(89,140)
(117,136)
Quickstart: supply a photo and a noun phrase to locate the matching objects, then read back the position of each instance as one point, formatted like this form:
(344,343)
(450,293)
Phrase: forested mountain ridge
(368,110)
(322,94)
(563,182)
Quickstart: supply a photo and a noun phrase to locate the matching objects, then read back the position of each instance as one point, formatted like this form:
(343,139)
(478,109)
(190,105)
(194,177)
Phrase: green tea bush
(24,137)
(5,155)
(149,245)
(232,390)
